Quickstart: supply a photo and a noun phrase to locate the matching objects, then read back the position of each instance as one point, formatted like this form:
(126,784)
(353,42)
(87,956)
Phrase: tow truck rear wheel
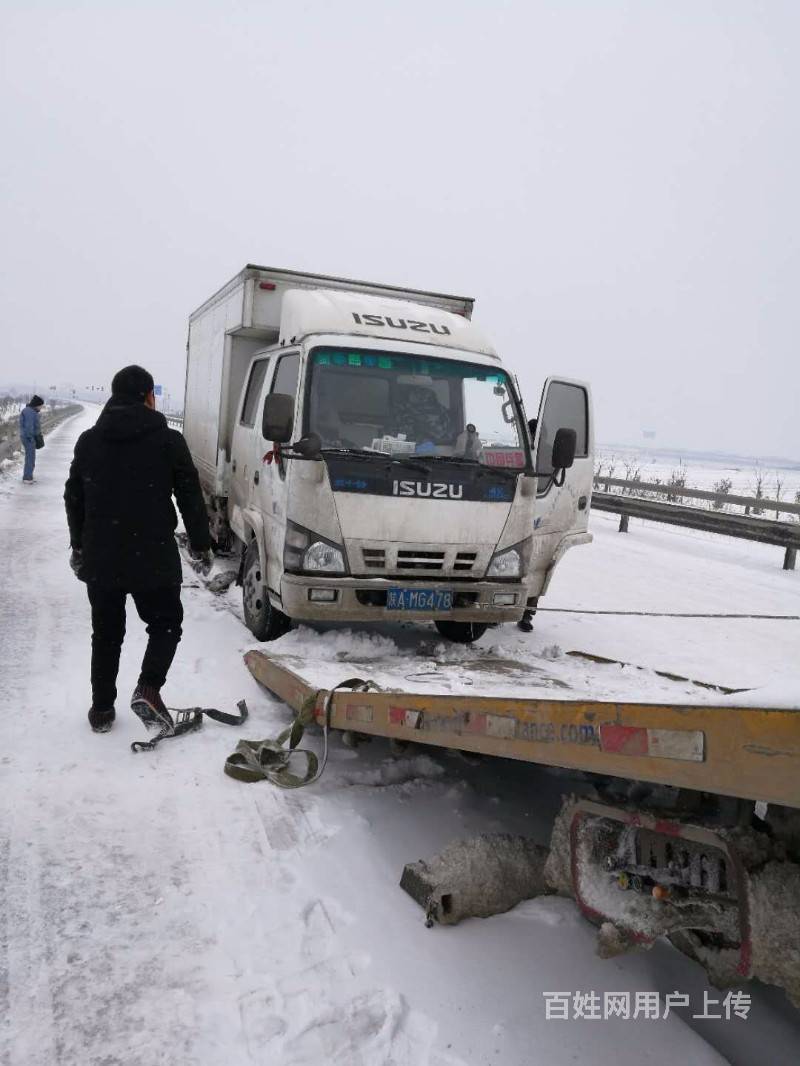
(461,632)
(261,618)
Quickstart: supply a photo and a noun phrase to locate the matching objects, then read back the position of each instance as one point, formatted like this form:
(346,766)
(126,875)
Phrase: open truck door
(272,388)
(563,495)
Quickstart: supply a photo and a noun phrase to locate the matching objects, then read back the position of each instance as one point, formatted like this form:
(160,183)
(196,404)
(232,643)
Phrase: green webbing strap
(271,760)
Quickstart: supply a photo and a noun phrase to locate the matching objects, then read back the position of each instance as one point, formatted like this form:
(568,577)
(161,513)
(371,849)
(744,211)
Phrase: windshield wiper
(358,453)
(410,462)
(484,468)
(421,463)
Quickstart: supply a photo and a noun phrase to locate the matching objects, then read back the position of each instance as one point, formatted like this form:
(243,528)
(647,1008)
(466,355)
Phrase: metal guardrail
(175,421)
(744,527)
(677,493)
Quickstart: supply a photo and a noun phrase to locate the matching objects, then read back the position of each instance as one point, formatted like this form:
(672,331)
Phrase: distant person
(122,534)
(30,427)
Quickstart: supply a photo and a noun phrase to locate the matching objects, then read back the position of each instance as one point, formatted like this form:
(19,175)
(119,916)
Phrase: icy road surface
(156,912)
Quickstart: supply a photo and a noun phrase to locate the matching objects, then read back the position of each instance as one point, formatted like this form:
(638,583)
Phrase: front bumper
(359,599)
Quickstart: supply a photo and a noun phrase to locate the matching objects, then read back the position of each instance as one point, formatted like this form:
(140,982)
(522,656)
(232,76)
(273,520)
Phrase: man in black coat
(122,533)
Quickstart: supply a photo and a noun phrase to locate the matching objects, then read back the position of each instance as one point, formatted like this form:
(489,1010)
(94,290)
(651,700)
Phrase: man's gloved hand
(203,560)
(76,562)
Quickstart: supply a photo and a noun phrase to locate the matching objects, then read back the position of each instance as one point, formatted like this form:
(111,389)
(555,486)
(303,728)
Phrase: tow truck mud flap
(726,898)
(476,878)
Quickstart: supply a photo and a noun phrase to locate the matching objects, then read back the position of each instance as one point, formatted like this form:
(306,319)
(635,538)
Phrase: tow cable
(271,760)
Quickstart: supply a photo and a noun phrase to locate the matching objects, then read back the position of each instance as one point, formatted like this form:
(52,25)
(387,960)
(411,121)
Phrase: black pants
(159,608)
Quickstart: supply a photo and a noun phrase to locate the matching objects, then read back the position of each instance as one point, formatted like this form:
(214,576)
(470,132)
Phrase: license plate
(419,600)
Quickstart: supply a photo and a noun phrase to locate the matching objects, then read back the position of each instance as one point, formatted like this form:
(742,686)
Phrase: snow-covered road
(156,912)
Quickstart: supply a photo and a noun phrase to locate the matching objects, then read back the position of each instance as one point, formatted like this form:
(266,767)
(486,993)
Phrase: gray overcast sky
(615,182)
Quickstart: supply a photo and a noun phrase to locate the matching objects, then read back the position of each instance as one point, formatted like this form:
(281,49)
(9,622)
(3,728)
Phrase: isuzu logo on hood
(467,484)
(400,323)
(437,490)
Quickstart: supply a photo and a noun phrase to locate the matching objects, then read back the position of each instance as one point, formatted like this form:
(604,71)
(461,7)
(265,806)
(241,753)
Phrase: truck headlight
(304,550)
(511,563)
(507,563)
(322,556)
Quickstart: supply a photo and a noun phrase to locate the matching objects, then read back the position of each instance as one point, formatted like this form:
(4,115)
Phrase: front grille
(423,561)
(420,560)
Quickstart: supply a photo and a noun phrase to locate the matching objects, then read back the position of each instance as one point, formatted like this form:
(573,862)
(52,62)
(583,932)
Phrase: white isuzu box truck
(364,450)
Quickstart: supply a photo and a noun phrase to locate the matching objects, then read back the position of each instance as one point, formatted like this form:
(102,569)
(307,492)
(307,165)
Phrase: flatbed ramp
(752,753)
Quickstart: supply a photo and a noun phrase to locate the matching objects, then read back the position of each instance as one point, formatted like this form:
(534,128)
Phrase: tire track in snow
(33,538)
(28,1025)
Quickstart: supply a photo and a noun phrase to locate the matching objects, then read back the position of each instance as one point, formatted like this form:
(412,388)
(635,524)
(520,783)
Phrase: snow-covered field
(157,912)
(777,479)
(9,415)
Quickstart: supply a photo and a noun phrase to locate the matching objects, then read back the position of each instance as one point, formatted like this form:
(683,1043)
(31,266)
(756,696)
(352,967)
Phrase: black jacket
(119,499)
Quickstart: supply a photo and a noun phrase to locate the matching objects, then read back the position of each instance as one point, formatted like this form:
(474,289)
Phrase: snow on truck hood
(305,312)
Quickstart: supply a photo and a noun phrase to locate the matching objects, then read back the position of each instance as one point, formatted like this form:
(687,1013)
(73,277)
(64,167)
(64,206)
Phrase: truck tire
(261,618)
(461,632)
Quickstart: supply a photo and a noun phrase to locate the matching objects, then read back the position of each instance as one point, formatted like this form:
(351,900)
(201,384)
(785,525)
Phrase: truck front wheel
(261,618)
(461,632)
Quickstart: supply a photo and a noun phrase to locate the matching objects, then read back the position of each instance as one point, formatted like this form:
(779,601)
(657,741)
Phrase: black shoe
(101,719)
(147,705)
(526,622)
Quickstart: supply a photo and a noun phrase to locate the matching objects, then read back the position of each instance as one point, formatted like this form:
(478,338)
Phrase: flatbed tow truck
(692,828)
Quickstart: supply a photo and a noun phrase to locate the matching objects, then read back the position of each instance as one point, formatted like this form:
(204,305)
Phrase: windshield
(391,404)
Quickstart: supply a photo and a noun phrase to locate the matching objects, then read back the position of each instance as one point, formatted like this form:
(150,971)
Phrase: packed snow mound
(342,645)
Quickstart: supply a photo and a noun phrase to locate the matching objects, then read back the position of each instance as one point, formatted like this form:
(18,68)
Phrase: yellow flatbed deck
(749,752)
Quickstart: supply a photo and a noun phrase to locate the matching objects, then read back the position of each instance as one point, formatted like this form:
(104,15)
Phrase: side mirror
(278,420)
(532,427)
(564,448)
(309,447)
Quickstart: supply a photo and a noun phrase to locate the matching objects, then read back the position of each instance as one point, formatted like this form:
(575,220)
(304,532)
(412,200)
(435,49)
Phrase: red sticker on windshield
(504,457)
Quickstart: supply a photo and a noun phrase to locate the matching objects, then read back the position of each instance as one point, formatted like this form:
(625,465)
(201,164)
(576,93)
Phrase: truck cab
(376,461)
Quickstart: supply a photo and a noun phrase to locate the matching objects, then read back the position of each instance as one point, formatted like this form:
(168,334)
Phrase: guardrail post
(789,558)
(623,524)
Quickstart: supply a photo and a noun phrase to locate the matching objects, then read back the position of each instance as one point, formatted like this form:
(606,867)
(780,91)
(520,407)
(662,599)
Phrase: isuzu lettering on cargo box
(365,451)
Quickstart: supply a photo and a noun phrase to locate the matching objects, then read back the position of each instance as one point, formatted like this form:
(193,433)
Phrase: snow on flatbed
(155,911)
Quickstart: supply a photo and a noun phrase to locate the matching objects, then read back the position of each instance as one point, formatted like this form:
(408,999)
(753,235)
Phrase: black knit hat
(132,382)
(36,401)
